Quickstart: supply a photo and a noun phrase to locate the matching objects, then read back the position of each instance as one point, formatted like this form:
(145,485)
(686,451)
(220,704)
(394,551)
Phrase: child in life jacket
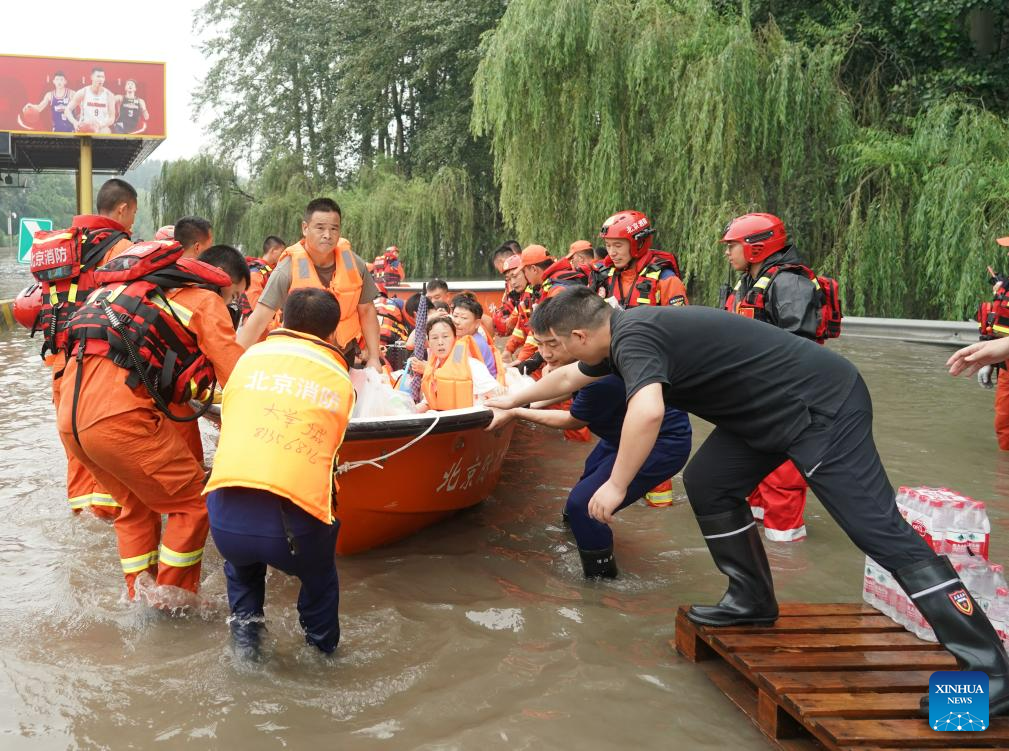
(454,376)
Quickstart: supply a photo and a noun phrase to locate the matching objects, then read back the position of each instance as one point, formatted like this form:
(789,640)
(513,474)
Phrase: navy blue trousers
(249,531)
(666,459)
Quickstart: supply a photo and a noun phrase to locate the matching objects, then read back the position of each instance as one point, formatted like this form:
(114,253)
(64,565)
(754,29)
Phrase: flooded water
(479,633)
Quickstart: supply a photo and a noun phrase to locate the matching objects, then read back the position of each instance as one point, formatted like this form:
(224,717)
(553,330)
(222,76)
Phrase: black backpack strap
(94,255)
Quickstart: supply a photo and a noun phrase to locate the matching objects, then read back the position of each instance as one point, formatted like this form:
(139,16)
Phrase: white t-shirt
(483,381)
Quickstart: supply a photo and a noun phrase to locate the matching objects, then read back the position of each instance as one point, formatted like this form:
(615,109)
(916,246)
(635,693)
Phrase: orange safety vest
(345,285)
(283,417)
(449,385)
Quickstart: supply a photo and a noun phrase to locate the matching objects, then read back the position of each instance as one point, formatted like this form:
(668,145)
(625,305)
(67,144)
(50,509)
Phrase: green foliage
(437,223)
(673,109)
(924,211)
(203,187)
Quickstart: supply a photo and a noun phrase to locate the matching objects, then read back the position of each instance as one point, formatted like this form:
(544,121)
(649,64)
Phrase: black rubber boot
(959,625)
(246,633)
(598,564)
(734,542)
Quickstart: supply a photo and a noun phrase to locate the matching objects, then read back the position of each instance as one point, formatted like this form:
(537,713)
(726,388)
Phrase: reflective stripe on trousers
(139,563)
(171,557)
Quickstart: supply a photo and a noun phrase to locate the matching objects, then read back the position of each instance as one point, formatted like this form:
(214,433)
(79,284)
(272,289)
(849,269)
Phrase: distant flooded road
(479,633)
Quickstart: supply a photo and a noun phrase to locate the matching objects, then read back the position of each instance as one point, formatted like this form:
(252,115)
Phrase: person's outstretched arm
(556,383)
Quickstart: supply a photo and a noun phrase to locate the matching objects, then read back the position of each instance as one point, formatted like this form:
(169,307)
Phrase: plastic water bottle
(980,529)
(999,614)
(941,521)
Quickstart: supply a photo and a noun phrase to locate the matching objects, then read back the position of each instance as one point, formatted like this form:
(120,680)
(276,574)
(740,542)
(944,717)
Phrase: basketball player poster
(65,97)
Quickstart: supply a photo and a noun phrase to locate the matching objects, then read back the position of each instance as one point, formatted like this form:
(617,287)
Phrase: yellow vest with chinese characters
(283,417)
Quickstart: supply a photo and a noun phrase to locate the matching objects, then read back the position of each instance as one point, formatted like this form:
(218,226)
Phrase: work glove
(528,366)
(985,377)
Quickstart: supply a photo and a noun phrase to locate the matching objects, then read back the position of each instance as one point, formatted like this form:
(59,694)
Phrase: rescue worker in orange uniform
(116,204)
(394,273)
(176,320)
(755,243)
(454,376)
(260,270)
(506,317)
(317,261)
(195,234)
(272,491)
(993,319)
(634,273)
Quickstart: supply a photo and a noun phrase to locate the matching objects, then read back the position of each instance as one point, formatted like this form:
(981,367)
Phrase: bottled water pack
(958,527)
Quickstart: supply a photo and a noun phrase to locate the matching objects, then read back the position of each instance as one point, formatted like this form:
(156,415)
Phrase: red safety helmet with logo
(392,252)
(762,235)
(28,305)
(632,226)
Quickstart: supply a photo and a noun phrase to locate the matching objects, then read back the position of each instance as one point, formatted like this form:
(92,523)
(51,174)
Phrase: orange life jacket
(283,418)
(345,285)
(449,384)
(651,268)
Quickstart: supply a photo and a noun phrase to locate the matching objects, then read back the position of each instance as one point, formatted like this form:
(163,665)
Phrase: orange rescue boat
(435,464)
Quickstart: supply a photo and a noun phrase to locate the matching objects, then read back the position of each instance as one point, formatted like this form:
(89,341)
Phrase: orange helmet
(27,305)
(511,263)
(1003,241)
(632,226)
(534,254)
(762,235)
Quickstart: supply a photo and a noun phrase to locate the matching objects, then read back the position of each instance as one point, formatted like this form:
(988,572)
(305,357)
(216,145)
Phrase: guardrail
(947,333)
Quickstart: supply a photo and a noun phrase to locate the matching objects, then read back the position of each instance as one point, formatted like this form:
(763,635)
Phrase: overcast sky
(145,30)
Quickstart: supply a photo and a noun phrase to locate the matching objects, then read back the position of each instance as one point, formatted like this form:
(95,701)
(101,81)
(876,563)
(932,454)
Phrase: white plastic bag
(376,398)
(515,381)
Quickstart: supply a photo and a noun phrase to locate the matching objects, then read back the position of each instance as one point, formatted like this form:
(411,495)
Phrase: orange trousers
(780,500)
(148,467)
(1002,410)
(83,490)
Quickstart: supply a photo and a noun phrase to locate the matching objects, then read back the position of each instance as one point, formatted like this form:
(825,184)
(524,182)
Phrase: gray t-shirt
(755,380)
(279,285)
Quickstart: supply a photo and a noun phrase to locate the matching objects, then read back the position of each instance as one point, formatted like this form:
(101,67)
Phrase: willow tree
(435,223)
(201,186)
(924,211)
(672,108)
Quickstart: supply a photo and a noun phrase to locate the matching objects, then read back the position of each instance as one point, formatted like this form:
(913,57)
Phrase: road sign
(28,229)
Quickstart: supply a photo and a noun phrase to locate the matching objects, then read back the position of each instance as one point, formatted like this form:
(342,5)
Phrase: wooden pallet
(837,677)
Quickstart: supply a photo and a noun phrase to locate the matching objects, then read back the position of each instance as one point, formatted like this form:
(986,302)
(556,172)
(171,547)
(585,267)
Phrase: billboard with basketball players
(65,96)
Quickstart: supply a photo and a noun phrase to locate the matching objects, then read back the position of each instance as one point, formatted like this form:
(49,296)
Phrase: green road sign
(28,229)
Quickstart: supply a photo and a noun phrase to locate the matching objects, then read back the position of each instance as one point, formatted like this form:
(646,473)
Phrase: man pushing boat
(771,396)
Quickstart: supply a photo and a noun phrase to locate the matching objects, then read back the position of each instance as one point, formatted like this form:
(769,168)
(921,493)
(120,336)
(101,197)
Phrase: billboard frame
(110,136)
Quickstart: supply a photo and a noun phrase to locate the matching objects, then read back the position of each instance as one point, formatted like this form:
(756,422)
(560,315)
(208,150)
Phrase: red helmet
(761,235)
(27,305)
(632,226)
(392,252)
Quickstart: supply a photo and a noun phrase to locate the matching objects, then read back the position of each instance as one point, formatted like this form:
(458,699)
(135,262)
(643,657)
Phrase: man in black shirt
(772,396)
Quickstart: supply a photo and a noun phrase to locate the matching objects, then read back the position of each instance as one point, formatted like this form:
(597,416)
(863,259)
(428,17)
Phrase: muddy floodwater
(478,633)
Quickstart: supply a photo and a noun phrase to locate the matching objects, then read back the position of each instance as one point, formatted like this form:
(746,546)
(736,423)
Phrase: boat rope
(377,461)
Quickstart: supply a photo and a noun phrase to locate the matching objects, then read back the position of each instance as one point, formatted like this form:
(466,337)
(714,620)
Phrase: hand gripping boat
(400,474)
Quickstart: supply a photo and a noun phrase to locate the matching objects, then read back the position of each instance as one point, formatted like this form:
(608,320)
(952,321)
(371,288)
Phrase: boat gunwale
(403,426)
